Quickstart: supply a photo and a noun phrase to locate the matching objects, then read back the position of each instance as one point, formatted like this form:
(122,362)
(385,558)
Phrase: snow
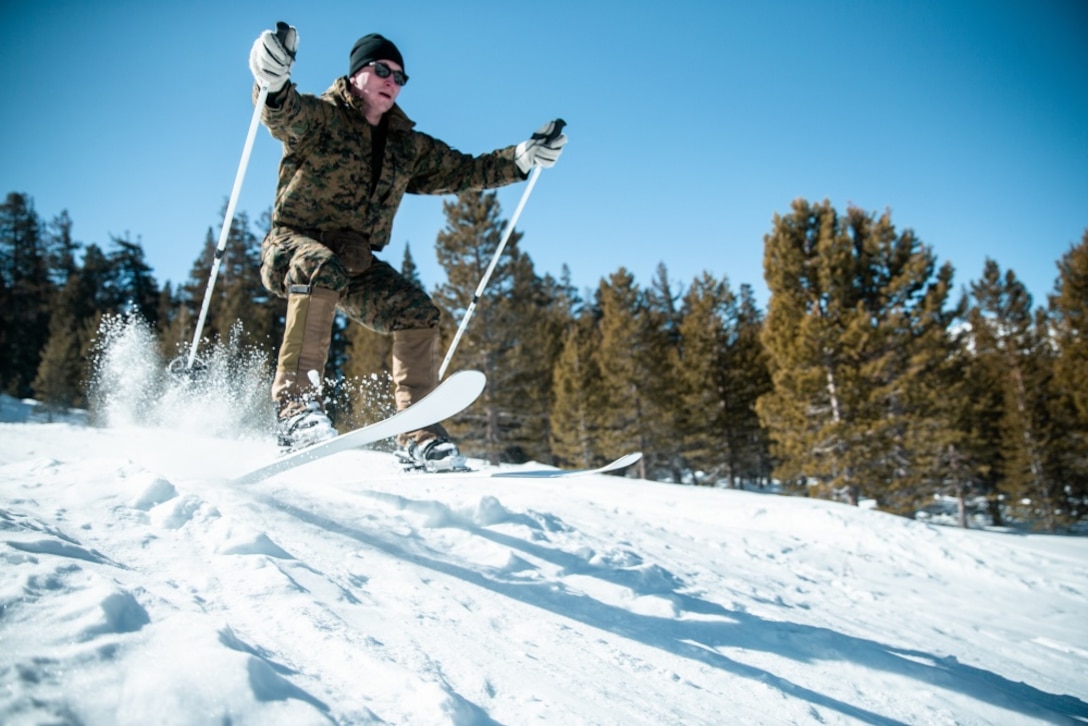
(139,586)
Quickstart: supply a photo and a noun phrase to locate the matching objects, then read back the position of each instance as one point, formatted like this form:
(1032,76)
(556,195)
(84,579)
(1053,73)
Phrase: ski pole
(559,124)
(224,232)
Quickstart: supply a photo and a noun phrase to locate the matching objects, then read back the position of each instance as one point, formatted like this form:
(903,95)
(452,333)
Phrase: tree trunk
(961,503)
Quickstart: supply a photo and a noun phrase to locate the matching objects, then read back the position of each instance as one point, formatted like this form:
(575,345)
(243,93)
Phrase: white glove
(543,148)
(272,54)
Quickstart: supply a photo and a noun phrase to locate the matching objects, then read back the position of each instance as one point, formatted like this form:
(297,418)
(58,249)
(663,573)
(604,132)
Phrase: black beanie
(371,48)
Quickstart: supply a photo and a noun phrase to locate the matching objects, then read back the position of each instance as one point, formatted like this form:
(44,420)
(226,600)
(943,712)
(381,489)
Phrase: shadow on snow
(697,640)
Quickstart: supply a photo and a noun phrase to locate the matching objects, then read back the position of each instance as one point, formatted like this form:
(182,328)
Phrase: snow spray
(130,385)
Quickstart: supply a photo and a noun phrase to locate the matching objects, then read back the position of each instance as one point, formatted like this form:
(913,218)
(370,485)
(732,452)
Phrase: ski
(621,463)
(453,395)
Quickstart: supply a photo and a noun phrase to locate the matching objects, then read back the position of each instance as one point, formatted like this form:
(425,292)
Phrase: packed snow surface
(139,586)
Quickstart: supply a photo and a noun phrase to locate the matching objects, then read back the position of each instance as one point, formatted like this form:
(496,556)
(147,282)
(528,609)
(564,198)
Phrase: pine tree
(1014,342)
(408,268)
(465,248)
(243,295)
(134,284)
(623,421)
(569,435)
(984,404)
(722,370)
(1069,387)
(1069,308)
(183,304)
(954,452)
(538,356)
(96,281)
(938,448)
(747,379)
(539,311)
(170,310)
(58,383)
(26,292)
(700,371)
(241,311)
(661,386)
(578,395)
(1060,501)
(61,249)
(848,303)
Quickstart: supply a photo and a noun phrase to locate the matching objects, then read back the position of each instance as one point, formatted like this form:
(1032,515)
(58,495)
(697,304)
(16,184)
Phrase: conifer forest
(870,376)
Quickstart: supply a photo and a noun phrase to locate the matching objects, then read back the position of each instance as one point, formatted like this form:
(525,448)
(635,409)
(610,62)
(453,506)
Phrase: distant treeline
(868,376)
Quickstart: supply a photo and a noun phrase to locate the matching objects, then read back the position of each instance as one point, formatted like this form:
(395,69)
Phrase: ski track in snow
(138,587)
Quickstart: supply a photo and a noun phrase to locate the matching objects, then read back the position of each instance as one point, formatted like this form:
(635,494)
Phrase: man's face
(378,94)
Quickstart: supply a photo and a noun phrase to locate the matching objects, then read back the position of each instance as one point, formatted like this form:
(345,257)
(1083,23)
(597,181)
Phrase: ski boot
(433,455)
(304,427)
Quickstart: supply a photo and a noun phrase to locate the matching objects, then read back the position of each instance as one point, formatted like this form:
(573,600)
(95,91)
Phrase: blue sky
(690,123)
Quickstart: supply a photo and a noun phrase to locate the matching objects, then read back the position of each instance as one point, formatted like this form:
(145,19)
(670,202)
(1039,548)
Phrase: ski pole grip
(557,129)
(282,29)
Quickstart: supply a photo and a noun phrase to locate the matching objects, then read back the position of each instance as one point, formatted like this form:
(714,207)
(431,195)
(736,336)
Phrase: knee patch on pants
(288,258)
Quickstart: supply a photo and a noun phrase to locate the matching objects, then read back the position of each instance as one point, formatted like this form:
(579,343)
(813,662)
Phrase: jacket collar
(340,92)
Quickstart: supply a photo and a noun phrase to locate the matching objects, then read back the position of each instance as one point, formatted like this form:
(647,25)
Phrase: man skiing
(349,156)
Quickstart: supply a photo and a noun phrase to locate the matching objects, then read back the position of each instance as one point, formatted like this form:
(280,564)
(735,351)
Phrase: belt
(337,239)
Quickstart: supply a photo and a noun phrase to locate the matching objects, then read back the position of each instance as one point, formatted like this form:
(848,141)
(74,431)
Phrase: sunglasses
(384,71)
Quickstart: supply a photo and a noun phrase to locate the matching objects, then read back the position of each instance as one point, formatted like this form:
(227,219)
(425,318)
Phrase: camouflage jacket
(325,172)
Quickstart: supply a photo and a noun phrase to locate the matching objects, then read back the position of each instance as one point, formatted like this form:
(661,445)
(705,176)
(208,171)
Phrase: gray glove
(543,148)
(272,54)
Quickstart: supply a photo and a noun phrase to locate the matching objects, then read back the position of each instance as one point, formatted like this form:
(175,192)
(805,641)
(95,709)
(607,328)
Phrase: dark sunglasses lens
(384,71)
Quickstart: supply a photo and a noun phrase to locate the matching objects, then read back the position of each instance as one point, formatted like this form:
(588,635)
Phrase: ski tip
(467,375)
(614,466)
(472,382)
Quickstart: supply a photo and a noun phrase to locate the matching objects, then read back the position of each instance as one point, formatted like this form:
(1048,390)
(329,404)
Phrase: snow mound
(138,586)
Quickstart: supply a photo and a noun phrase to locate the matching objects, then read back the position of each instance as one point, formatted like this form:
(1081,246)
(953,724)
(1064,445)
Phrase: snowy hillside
(138,587)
